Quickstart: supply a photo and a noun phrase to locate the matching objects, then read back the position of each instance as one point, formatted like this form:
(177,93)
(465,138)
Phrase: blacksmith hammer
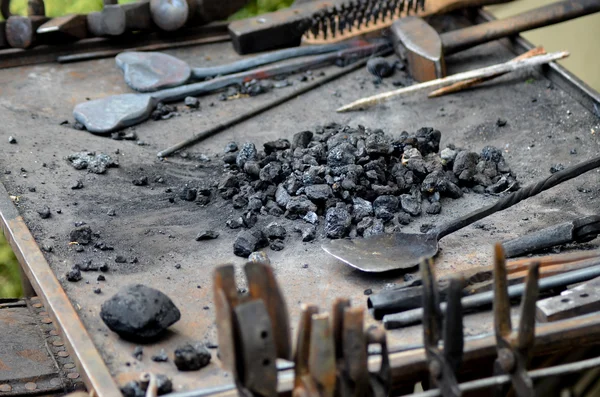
(423,48)
(21,31)
(118,19)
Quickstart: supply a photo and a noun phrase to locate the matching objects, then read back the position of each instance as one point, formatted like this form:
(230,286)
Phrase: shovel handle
(519,195)
(462,39)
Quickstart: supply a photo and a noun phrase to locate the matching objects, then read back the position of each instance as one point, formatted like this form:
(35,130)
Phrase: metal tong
(514,353)
(443,364)
(253,328)
(332,354)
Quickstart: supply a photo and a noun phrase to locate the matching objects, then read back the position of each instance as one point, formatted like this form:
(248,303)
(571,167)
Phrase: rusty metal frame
(90,364)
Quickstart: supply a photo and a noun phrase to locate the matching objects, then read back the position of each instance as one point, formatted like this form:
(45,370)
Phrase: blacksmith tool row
(114,20)
(331,356)
(332,349)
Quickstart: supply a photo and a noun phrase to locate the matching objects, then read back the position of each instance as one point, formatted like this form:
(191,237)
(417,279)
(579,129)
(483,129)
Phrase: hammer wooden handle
(462,39)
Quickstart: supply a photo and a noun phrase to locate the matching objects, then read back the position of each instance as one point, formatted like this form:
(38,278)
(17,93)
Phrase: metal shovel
(152,71)
(384,252)
(115,112)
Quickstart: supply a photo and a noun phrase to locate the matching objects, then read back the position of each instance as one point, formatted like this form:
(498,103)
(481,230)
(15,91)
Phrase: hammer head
(416,42)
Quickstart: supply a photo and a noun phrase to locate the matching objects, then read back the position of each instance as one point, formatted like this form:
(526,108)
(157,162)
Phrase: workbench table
(548,122)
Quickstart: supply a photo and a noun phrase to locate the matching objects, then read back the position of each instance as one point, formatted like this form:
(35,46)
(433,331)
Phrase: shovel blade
(383,252)
(152,71)
(113,113)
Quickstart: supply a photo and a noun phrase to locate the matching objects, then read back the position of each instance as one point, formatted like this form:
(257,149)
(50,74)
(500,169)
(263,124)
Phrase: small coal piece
(142,181)
(74,274)
(191,357)
(380,67)
(139,313)
(207,235)
(97,291)
(81,235)
(160,357)
(44,213)
(188,194)
(556,168)
(337,221)
(231,147)
(274,231)
(277,245)
(191,102)
(138,353)
(248,241)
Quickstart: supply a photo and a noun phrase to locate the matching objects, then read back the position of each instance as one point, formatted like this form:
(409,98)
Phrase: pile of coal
(139,313)
(350,181)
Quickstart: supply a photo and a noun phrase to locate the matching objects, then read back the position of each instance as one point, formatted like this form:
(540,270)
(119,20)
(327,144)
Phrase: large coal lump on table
(139,313)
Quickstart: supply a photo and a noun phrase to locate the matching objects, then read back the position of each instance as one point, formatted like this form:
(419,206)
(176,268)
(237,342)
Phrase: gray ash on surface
(340,181)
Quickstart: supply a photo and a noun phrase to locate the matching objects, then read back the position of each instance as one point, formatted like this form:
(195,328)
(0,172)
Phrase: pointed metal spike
(526,335)
(431,305)
(502,323)
(453,324)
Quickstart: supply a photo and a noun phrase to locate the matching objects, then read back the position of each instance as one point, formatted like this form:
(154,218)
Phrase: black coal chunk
(141,181)
(556,168)
(319,192)
(384,207)
(275,231)
(188,194)
(137,388)
(361,208)
(81,235)
(301,139)
(375,229)
(207,235)
(337,221)
(341,155)
(465,165)
(191,357)
(271,172)
(247,153)
(279,144)
(248,241)
(300,206)
(411,204)
(74,274)
(139,313)
(44,213)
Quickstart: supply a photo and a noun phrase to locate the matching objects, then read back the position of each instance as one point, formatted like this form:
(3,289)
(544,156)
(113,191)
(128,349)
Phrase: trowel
(385,252)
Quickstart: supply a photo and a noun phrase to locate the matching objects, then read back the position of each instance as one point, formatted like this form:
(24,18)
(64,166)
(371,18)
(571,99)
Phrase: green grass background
(56,8)
(10,285)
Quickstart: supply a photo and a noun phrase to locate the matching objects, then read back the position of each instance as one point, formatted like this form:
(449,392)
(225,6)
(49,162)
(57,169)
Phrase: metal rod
(558,370)
(414,316)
